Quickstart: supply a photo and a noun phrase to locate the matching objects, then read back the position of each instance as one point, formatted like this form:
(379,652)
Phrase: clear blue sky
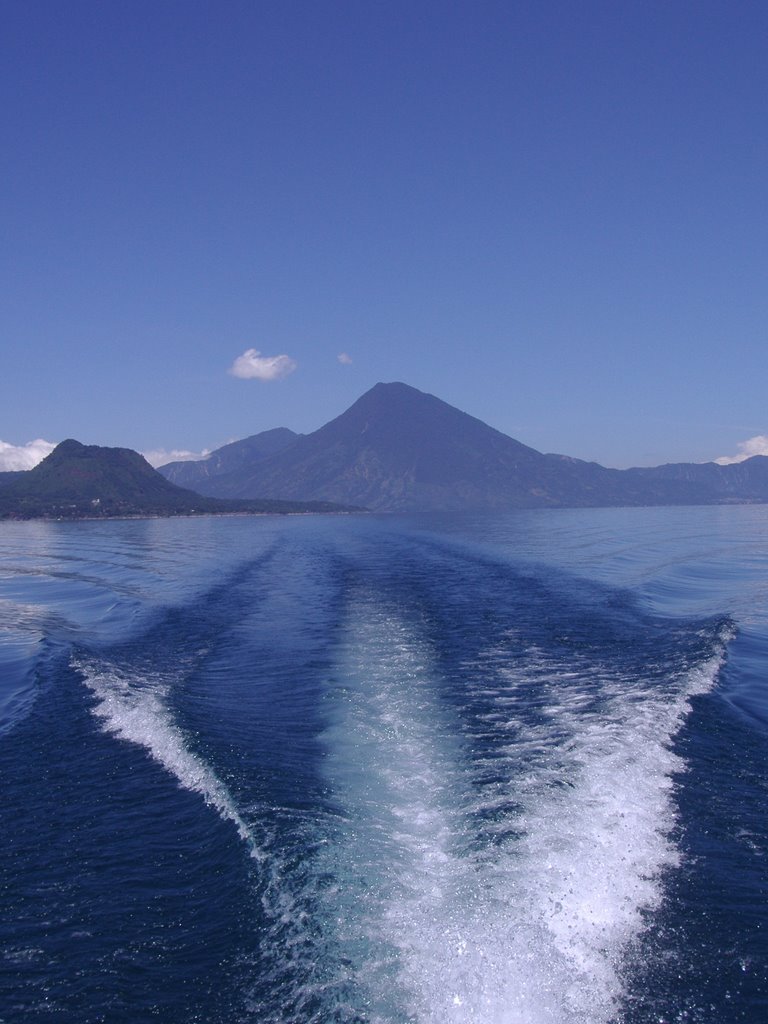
(552,215)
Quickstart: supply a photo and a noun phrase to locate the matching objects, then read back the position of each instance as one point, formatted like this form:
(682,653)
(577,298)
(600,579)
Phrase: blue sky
(552,215)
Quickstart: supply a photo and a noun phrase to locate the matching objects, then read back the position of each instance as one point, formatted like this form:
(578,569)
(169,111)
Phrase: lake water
(502,769)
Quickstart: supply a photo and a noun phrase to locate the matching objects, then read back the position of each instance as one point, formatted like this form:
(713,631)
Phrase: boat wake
(494,829)
(135,709)
(495,868)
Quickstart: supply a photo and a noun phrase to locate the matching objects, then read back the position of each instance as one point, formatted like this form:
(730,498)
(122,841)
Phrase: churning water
(377,770)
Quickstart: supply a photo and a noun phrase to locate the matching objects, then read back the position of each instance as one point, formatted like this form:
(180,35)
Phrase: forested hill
(78,480)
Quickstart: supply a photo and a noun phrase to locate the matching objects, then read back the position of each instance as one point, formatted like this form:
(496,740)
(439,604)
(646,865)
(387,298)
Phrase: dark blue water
(507,769)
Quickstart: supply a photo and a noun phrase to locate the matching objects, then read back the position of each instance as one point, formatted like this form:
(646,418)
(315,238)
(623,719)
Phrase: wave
(498,872)
(568,893)
(498,811)
(134,708)
(380,855)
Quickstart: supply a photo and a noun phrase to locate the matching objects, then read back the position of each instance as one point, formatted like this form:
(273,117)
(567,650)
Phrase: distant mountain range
(396,449)
(77,481)
(399,449)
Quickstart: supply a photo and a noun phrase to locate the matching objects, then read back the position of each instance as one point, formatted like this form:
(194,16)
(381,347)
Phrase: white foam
(558,907)
(495,875)
(135,710)
(390,753)
(533,924)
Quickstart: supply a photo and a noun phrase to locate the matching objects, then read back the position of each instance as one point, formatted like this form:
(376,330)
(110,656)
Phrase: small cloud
(162,456)
(252,365)
(25,456)
(757,445)
(344,359)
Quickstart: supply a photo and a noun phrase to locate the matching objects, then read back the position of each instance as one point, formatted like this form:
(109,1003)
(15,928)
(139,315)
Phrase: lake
(499,769)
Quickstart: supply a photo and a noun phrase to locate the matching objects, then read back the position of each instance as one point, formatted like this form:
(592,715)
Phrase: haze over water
(497,769)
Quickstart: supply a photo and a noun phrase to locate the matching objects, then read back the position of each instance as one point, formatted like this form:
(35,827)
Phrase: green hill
(77,481)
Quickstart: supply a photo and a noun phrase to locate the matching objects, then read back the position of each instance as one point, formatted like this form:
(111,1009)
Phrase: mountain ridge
(400,449)
(395,449)
(229,458)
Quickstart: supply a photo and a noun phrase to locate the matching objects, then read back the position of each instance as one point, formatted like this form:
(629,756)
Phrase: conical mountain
(395,449)
(398,448)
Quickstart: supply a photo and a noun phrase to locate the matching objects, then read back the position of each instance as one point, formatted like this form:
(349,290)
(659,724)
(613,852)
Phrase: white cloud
(25,456)
(253,365)
(344,358)
(162,456)
(757,445)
